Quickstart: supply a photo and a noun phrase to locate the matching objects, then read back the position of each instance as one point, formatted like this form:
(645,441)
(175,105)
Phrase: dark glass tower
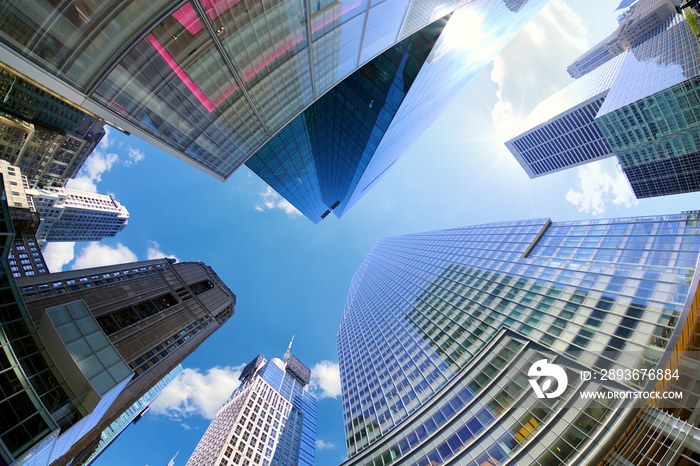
(441,332)
(318,98)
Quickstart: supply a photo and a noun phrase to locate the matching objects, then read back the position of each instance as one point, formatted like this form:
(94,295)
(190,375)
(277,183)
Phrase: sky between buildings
(290,276)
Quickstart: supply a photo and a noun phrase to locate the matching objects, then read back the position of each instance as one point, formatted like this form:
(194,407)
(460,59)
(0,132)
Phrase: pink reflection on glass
(187,17)
(191,85)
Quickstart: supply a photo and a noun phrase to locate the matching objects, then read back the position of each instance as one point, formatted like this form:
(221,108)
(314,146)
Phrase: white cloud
(96,255)
(325,380)
(321,445)
(601,183)
(101,161)
(154,252)
(194,393)
(134,157)
(272,200)
(526,74)
(58,254)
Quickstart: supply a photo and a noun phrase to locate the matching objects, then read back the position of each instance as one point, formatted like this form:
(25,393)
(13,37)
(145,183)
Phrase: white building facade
(269,420)
(71,215)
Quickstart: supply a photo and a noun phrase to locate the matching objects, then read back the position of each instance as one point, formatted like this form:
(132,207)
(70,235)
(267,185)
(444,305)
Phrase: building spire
(172,461)
(289,350)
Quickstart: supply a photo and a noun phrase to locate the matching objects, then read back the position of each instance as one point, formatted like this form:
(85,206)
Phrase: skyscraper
(442,330)
(640,20)
(71,215)
(642,106)
(47,138)
(132,415)
(269,420)
(87,344)
(319,100)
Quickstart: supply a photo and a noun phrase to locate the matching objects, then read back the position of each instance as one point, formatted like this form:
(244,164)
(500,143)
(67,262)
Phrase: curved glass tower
(443,334)
(317,97)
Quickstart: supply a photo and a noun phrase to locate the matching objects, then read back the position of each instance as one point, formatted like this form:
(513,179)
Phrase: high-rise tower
(269,420)
(643,106)
(319,99)
(89,343)
(442,333)
(71,215)
(47,138)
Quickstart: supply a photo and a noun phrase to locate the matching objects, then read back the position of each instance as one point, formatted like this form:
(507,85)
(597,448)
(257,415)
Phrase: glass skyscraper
(132,414)
(442,331)
(643,106)
(269,420)
(318,98)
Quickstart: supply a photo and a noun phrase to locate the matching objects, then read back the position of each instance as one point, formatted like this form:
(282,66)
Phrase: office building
(34,105)
(131,416)
(89,343)
(269,420)
(60,214)
(561,132)
(71,215)
(652,119)
(318,100)
(638,23)
(442,331)
(645,105)
(24,258)
(47,138)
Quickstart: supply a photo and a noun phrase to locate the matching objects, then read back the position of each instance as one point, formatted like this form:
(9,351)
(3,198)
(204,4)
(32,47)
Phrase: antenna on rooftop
(289,350)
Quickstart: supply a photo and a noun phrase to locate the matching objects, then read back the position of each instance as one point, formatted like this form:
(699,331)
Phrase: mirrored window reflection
(418,15)
(237,130)
(267,44)
(326,16)
(382,27)
(336,53)
(175,85)
(75,39)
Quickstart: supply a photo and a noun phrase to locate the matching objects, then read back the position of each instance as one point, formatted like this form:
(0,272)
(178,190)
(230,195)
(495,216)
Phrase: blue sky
(290,276)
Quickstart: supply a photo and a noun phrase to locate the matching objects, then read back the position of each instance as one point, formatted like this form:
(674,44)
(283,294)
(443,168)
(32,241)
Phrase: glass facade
(216,82)
(132,414)
(440,328)
(35,399)
(561,132)
(269,420)
(652,115)
(647,112)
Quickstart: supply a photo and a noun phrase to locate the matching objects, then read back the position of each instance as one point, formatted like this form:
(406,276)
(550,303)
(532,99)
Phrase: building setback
(118,329)
(319,100)
(442,330)
(269,420)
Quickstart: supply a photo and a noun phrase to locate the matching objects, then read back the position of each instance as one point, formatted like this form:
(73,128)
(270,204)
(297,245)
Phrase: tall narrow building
(318,99)
(89,343)
(445,334)
(269,420)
